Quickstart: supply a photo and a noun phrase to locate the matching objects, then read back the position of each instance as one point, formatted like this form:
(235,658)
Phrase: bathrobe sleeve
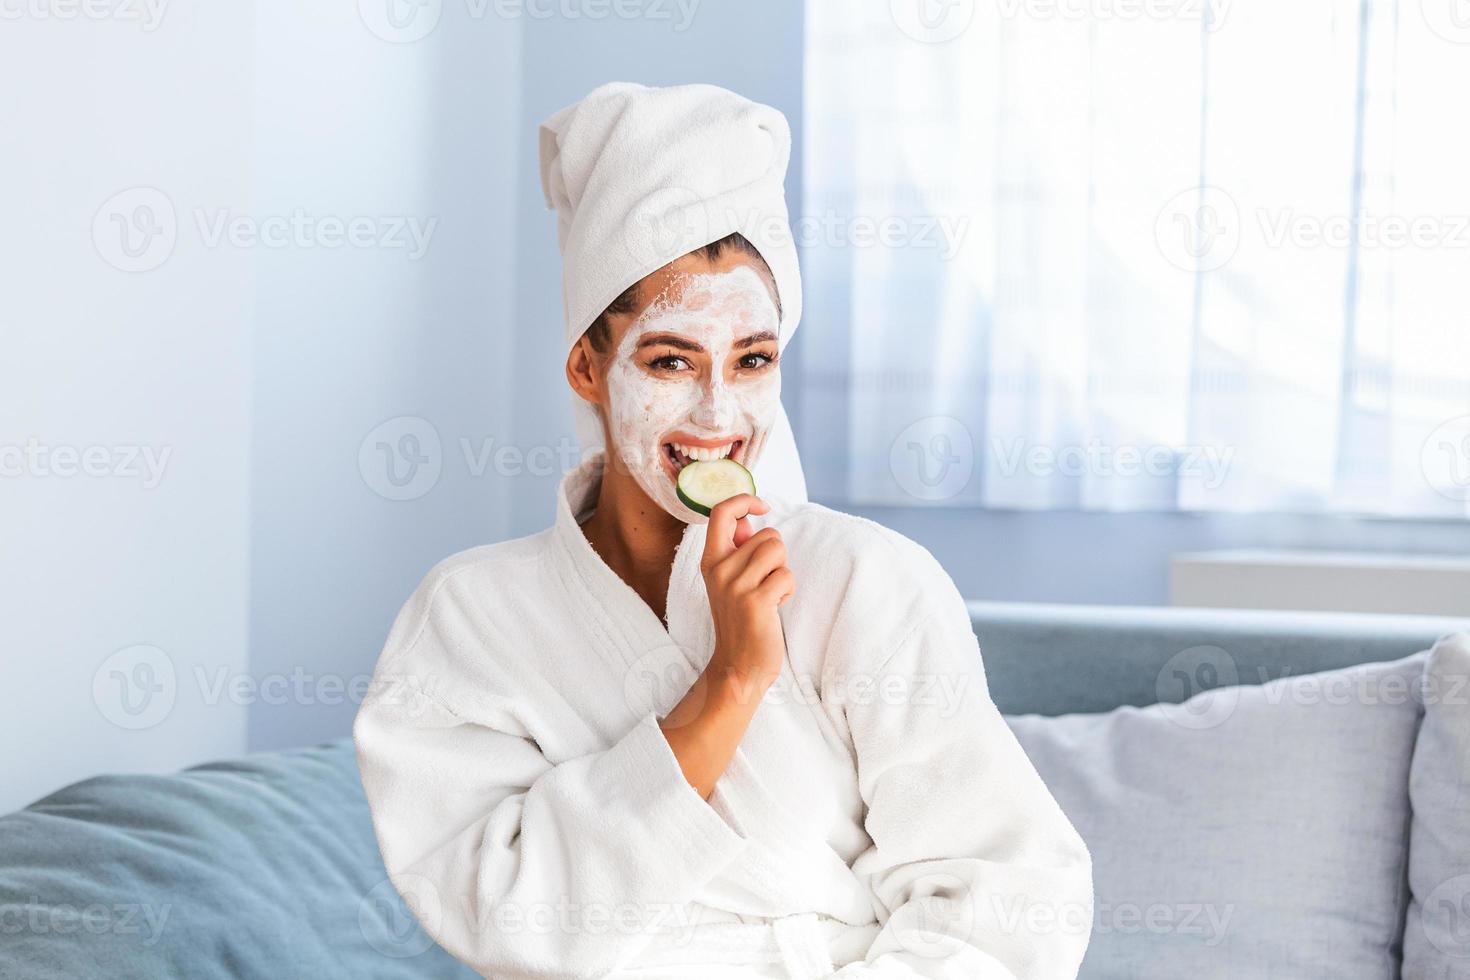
(979,872)
(519,867)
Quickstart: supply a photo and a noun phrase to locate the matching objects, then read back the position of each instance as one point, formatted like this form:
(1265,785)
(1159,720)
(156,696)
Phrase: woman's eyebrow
(669,340)
(753,339)
(683,343)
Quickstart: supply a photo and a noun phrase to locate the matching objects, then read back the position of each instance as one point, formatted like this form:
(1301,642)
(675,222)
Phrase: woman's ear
(584,372)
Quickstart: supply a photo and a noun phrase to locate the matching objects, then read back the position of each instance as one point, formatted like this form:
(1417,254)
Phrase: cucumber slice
(702,484)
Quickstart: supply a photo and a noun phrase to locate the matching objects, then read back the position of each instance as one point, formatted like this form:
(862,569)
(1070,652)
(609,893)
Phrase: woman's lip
(702,443)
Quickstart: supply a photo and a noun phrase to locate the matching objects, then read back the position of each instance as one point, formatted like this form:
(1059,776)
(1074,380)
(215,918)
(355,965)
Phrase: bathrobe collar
(689,633)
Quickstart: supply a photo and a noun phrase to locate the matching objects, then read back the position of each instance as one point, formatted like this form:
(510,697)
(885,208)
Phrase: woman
(646,744)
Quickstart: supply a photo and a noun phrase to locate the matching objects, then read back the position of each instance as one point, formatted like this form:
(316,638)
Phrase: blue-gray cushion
(264,867)
(1249,831)
(1437,935)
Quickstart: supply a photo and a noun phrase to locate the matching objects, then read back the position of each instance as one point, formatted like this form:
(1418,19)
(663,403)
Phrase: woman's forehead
(713,294)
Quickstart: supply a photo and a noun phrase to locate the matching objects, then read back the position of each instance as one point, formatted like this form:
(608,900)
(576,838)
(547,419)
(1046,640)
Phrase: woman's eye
(669,362)
(758,359)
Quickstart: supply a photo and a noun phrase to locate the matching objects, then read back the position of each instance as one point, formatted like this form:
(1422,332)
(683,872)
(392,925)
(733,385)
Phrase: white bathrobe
(878,820)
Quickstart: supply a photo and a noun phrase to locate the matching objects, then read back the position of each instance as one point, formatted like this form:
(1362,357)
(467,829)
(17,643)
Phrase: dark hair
(600,332)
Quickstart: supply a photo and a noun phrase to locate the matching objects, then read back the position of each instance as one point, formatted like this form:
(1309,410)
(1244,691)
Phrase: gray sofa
(266,866)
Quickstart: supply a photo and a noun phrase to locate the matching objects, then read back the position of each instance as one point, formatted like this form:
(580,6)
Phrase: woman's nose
(716,409)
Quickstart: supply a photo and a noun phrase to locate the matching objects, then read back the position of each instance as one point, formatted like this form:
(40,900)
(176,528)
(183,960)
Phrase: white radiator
(1322,580)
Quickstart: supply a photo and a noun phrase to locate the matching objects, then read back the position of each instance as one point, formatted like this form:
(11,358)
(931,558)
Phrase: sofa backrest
(1050,659)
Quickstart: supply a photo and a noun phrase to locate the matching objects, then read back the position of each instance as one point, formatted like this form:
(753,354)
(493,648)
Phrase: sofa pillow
(1437,934)
(262,867)
(1249,831)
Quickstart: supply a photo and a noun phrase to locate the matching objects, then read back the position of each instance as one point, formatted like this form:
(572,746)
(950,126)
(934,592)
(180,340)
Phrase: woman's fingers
(742,531)
(763,554)
(740,562)
(778,586)
(725,519)
(729,571)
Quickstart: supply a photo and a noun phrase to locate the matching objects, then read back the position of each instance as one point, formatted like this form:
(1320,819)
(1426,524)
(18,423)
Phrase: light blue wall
(150,353)
(347,340)
(260,575)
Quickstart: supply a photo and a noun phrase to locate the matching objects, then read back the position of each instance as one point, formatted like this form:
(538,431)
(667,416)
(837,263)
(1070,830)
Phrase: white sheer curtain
(1061,257)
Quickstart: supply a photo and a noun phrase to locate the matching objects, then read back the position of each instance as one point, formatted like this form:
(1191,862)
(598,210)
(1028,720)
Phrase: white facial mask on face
(649,407)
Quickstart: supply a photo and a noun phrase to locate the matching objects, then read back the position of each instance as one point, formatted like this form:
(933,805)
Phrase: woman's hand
(747,579)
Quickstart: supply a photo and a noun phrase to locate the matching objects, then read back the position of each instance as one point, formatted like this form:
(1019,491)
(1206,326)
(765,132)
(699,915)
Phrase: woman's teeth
(688,454)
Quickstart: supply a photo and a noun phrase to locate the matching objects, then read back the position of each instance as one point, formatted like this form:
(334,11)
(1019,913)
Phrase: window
(1097,254)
